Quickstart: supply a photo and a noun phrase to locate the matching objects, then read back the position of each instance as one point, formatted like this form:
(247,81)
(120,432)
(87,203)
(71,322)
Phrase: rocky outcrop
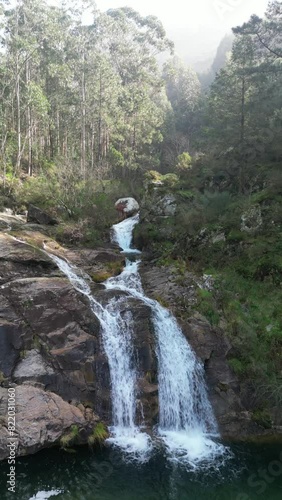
(19,260)
(35,214)
(251,220)
(57,322)
(165,206)
(42,419)
(127,207)
(178,292)
(51,340)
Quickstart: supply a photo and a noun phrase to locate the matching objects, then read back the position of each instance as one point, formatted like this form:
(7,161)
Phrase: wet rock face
(145,361)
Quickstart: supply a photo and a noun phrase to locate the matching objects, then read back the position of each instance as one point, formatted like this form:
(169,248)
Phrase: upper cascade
(123,233)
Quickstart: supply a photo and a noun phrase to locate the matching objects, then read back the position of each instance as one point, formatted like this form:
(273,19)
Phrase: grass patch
(70,437)
(99,435)
(207,306)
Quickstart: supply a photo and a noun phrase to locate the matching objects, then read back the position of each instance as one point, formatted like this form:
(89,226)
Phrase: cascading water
(122,234)
(187,423)
(116,335)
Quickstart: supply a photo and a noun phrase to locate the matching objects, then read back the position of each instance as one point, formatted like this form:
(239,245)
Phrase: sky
(195,26)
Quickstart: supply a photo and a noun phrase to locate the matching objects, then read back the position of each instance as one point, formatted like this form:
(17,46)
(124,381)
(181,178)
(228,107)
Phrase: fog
(196,27)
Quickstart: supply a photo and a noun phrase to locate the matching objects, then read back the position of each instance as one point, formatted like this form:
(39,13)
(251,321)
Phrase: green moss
(115,268)
(36,342)
(262,417)
(99,435)
(100,276)
(237,366)
(69,438)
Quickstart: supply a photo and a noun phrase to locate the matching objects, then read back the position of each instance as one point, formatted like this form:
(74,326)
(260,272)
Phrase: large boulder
(42,419)
(127,207)
(38,216)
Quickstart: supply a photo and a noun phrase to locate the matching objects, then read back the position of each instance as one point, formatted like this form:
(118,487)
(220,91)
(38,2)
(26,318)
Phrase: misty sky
(195,26)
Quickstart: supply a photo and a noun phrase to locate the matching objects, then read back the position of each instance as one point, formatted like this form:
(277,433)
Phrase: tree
(244,117)
(183,92)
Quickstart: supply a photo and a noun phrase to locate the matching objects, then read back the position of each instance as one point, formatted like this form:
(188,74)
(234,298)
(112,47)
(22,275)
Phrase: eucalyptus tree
(132,43)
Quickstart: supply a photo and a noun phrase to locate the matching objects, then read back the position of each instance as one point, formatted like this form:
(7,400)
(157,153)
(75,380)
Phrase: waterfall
(117,343)
(122,234)
(186,423)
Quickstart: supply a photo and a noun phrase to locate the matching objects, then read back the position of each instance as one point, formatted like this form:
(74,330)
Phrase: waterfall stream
(116,337)
(187,425)
(186,421)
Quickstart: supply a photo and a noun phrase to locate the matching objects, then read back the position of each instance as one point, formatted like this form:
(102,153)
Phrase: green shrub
(170,180)
(99,435)
(262,417)
(237,366)
(184,163)
(207,306)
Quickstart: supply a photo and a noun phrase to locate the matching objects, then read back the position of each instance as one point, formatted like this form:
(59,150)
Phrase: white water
(116,335)
(122,234)
(186,422)
(44,495)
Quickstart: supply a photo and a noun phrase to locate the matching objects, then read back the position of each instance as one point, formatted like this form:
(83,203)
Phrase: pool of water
(254,472)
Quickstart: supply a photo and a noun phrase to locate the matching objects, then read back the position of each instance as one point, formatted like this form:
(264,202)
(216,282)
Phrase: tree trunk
(29,123)
(83,118)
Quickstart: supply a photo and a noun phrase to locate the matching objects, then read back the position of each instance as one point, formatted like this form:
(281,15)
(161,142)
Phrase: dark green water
(254,473)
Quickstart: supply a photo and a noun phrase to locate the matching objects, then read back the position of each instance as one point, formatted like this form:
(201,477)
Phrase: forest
(90,113)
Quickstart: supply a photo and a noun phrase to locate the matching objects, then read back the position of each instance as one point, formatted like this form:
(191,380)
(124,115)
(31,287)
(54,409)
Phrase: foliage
(99,435)
(207,306)
(262,417)
(69,438)
(184,163)
(91,95)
